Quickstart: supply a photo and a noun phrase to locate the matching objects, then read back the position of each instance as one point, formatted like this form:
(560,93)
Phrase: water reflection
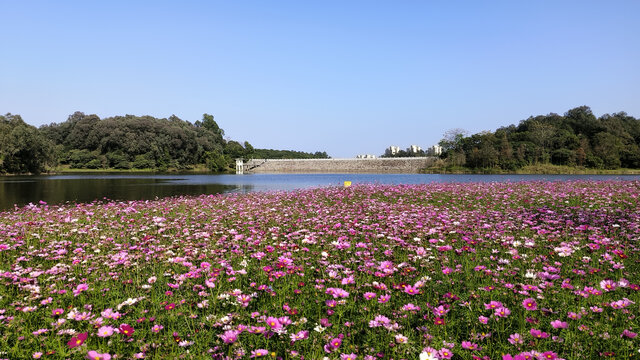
(60,190)
(21,190)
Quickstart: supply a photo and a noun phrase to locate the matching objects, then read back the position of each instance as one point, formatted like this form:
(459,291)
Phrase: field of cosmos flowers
(532,270)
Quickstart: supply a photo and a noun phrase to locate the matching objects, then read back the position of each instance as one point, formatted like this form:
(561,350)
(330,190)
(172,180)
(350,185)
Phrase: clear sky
(346,77)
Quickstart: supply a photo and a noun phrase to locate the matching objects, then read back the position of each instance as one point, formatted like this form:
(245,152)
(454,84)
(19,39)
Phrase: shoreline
(545,169)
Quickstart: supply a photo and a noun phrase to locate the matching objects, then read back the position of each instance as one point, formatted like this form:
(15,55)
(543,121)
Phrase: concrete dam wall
(336,166)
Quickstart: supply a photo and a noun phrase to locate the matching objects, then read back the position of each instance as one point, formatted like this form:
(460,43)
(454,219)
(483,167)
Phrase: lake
(56,189)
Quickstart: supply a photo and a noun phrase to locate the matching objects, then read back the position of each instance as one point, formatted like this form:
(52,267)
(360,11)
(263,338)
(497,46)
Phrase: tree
(210,124)
(22,148)
(452,140)
(248,150)
(234,150)
(541,134)
(506,153)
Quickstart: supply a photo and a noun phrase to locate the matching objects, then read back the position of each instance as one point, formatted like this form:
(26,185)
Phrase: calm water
(21,190)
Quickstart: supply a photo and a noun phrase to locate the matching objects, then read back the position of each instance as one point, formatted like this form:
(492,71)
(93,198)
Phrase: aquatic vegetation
(531,270)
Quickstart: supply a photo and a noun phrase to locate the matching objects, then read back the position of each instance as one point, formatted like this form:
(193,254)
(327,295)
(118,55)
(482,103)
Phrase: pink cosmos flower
(530,304)
(300,335)
(410,307)
(82,316)
(538,334)
(40,332)
(257,329)
(230,336)
(515,339)
(411,290)
(493,305)
(46,301)
(105,331)
(502,312)
(80,288)
(110,314)
(94,355)
(337,293)
(285,321)
(274,323)
(608,285)
(557,324)
(348,280)
(369,295)
(573,316)
(440,311)
(157,328)
(469,345)
(351,356)
(259,353)
(57,312)
(483,319)
(401,339)
(445,353)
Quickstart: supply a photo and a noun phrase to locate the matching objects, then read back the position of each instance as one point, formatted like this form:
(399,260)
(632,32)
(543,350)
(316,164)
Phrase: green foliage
(216,162)
(144,161)
(22,148)
(140,142)
(576,138)
(79,159)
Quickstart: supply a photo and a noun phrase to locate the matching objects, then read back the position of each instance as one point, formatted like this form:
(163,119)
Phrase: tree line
(122,142)
(576,138)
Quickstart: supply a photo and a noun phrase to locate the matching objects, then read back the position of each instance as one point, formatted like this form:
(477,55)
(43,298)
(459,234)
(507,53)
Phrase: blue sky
(346,77)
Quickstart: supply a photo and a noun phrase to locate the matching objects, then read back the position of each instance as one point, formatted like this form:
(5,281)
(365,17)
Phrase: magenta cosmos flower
(127,330)
(538,334)
(77,340)
(274,323)
(530,304)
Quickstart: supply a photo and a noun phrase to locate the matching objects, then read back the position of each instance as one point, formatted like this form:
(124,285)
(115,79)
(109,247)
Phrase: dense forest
(576,138)
(122,142)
